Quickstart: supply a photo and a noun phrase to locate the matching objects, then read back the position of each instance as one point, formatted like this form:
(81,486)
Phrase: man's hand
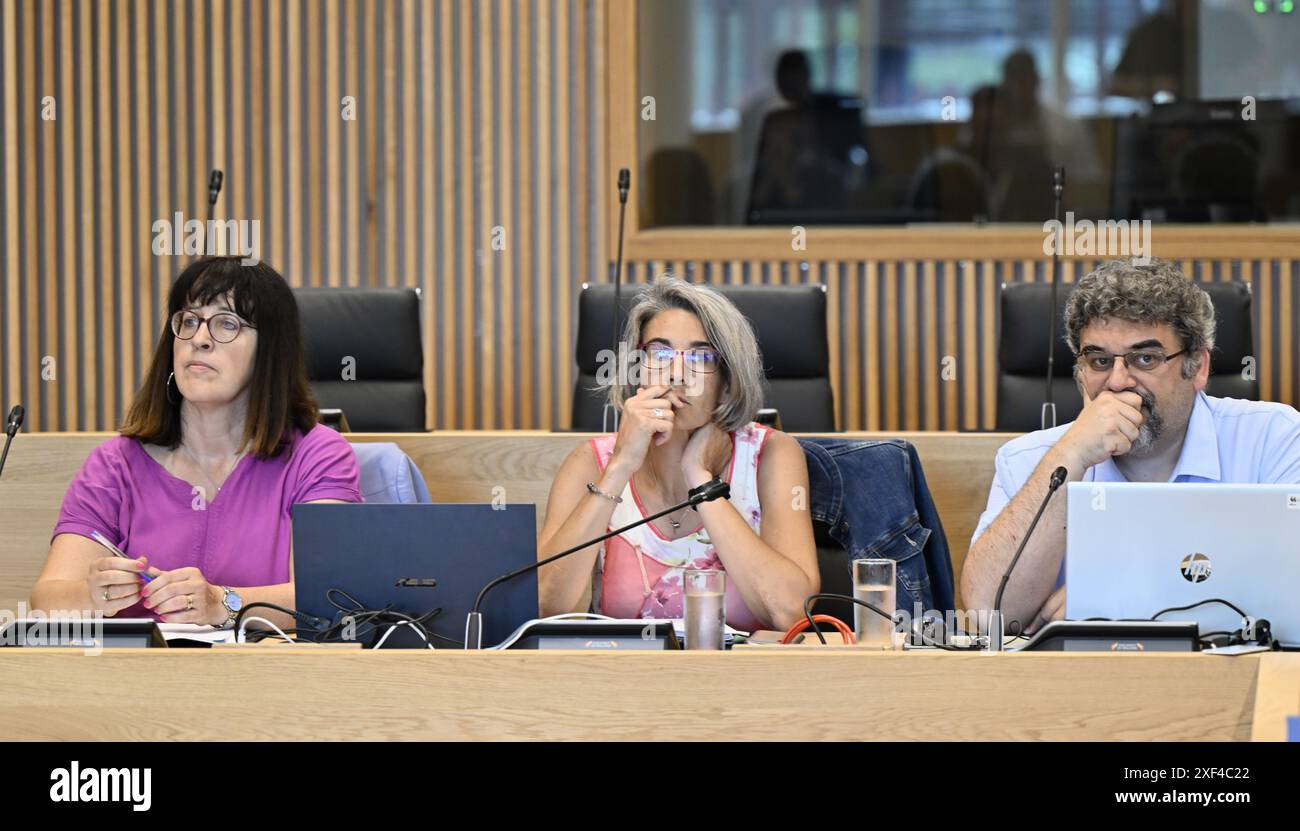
(1053,609)
(1107,427)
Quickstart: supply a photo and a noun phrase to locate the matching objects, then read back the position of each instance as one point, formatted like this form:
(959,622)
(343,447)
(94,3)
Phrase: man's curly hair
(1155,293)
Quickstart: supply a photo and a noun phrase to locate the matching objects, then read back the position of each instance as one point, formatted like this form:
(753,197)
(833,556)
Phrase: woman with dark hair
(219,444)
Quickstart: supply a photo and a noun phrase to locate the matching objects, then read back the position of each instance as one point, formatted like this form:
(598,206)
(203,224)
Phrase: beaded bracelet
(591,488)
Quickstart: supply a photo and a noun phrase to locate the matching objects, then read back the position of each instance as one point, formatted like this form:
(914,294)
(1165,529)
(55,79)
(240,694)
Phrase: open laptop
(1134,549)
(389,554)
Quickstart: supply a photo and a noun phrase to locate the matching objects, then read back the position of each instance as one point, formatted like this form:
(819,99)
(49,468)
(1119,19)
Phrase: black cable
(1200,603)
(368,621)
(452,641)
(947,647)
(430,615)
(262,604)
(356,614)
(813,598)
(415,623)
(259,635)
(1200,637)
(329,597)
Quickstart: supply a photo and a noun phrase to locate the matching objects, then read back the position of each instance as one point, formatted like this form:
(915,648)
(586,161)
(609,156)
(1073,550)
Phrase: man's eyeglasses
(223,326)
(1142,360)
(702,359)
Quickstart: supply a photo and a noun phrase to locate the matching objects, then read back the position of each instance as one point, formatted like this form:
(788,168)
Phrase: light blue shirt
(1228,440)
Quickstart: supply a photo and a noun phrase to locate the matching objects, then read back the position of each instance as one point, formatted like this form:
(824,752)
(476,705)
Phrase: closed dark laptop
(376,552)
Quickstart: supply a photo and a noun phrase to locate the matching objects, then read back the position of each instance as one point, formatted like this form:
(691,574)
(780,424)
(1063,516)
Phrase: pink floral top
(639,574)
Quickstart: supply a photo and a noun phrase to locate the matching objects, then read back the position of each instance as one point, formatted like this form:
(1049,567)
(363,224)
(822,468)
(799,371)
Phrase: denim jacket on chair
(872,495)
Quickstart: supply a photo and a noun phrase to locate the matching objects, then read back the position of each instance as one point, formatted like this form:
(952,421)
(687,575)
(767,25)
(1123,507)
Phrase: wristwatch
(233,603)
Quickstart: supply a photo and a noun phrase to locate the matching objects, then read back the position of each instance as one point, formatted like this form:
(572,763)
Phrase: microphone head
(214,185)
(717,489)
(1058,477)
(15,419)
(624,182)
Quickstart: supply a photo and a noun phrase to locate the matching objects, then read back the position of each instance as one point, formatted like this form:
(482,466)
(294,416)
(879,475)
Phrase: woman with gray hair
(688,390)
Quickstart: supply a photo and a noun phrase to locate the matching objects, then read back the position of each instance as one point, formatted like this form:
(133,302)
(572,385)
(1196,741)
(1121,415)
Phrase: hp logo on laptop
(1195,568)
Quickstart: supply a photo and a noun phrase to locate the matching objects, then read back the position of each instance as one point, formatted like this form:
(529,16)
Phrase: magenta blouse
(240,538)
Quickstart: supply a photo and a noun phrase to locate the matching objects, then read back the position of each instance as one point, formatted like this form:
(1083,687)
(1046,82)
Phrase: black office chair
(1022,353)
(790,322)
(381,389)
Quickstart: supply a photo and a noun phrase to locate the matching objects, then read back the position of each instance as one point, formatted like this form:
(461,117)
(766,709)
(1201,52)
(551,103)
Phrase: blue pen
(102,540)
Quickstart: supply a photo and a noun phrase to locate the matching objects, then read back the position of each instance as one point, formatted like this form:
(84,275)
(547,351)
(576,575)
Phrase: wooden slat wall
(887,347)
(470,115)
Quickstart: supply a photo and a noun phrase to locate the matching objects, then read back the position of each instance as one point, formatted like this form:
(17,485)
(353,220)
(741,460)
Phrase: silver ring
(189,602)
(657,412)
(106,593)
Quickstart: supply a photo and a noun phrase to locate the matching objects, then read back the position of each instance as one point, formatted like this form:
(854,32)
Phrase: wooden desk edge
(1277,696)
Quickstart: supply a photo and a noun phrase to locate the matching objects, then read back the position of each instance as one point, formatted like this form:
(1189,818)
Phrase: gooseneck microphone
(214,188)
(709,491)
(12,424)
(624,184)
(996,632)
(1047,419)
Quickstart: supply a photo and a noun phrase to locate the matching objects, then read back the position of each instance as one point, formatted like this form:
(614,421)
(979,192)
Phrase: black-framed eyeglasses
(702,359)
(224,327)
(1142,360)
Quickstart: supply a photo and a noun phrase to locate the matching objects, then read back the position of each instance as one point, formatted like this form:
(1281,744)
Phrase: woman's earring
(168,388)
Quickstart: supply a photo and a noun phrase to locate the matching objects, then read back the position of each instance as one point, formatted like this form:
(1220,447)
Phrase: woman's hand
(184,595)
(647,416)
(114,583)
(703,444)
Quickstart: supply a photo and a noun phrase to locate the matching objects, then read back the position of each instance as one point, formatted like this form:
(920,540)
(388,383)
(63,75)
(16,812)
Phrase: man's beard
(1151,429)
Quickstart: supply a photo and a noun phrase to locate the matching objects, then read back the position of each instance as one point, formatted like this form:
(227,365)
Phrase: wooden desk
(458,467)
(1278,695)
(247,694)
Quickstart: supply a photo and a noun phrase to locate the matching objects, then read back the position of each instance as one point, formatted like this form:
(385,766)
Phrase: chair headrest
(1022,345)
(379,328)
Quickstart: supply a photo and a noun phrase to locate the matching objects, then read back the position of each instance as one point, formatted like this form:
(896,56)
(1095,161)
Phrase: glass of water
(705,608)
(873,582)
